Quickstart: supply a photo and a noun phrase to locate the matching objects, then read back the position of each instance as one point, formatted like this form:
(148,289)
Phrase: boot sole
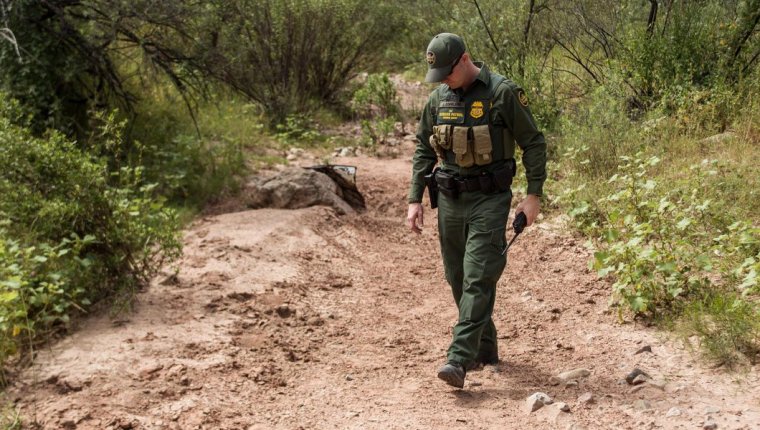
(452,379)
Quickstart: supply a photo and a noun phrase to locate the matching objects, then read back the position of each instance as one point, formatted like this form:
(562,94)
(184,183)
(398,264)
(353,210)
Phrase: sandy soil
(303,319)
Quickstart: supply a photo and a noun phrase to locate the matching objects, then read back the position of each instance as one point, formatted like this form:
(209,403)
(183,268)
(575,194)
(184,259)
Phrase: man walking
(469,128)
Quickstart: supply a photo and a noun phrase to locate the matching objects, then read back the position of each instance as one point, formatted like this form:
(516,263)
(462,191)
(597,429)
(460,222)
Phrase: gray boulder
(295,189)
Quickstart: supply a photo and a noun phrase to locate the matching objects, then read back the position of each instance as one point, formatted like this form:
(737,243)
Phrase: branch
(485,24)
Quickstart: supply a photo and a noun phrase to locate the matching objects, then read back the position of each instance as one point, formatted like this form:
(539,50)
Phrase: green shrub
(74,231)
(377,106)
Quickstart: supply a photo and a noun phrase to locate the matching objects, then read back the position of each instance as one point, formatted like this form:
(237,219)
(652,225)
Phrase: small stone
(576,374)
(349,378)
(148,371)
(537,401)
(642,405)
(640,379)
(345,152)
(646,348)
(586,398)
(634,373)
(571,383)
(710,425)
(284,311)
(712,410)
(673,412)
(562,406)
(315,321)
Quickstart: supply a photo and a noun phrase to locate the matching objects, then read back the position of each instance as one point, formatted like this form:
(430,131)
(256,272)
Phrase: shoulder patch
(522,97)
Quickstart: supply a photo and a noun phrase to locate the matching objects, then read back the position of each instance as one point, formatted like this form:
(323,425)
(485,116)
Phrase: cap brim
(437,75)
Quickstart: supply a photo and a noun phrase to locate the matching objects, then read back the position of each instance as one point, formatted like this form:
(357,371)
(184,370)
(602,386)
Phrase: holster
(447,183)
(432,187)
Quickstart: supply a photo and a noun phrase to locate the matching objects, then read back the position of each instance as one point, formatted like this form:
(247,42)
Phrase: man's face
(455,79)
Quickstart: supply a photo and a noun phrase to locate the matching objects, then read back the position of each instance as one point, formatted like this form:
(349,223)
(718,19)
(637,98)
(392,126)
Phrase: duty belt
(498,181)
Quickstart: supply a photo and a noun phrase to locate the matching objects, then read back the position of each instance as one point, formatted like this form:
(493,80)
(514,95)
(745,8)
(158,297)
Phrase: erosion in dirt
(307,319)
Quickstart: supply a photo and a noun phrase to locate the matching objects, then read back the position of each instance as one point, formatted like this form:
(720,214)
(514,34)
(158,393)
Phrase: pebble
(640,379)
(631,377)
(710,425)
(537,401)
(586,398)
(642,405)
(349,378)
(712,410)
(673,412)
(571,375)
(646,348)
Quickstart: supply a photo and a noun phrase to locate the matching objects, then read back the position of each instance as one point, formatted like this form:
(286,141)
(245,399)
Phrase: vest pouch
(435,143)
(444,135)
(482,145)
(462,147)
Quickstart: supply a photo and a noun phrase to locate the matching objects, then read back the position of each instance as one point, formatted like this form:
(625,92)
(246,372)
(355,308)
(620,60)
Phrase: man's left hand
(531,206)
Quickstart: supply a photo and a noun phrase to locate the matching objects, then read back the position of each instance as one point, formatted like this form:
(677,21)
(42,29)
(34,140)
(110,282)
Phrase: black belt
(498,181)
(472,183)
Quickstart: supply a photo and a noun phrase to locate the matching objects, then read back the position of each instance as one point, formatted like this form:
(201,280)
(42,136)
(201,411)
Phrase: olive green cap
(442,52)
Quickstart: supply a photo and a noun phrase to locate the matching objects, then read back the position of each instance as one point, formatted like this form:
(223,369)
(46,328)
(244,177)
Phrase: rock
(575,374)
(586,398)
(712,410)
(296,188)
(345,152)
(315,321)
(150,371)
(640,379)
(537,401)
(349,378)
(673,412)
(646,348)
(710,425)
(284,311)
(571,383)
(634,373)
(642,405)
(564,407)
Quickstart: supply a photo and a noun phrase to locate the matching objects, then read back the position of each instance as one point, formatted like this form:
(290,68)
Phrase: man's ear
(466,57)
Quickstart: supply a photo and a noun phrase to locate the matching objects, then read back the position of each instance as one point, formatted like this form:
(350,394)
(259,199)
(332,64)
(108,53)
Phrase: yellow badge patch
(522,97)
(476,111)
(430,57)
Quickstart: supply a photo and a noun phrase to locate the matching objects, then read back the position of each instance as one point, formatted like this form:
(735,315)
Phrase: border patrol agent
(469,127)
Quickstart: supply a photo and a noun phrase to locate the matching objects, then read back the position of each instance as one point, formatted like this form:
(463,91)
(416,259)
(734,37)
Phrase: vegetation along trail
(306,319)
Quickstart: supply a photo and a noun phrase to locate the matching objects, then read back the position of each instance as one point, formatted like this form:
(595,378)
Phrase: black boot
(453,373)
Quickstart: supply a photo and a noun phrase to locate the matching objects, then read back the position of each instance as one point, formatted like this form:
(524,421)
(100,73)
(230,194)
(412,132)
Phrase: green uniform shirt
(506,107)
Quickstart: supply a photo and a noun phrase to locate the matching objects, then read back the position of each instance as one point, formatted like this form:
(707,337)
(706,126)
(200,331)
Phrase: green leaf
(685,222)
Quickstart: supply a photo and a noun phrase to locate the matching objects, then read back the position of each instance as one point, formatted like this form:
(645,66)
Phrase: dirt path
(303,319)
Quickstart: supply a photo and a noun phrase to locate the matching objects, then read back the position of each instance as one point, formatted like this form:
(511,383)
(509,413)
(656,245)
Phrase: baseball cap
(442,52)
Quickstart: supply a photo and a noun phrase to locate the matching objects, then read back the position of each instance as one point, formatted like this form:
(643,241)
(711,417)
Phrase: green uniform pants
(472,231)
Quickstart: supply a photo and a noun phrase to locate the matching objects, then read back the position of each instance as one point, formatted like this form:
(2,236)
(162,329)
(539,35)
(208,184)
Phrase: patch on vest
(476,110)
(522,97)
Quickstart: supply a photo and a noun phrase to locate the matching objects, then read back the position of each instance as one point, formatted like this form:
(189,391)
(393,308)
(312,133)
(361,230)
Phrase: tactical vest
(467,133)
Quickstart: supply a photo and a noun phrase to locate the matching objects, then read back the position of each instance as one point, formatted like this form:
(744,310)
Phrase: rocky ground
(307,319)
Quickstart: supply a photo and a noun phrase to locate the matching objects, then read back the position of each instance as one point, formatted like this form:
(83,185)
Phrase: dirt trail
(303,319)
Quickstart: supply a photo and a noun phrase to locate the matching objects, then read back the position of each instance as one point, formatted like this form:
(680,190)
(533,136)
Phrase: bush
(74,231)
(377,106)
(292,56)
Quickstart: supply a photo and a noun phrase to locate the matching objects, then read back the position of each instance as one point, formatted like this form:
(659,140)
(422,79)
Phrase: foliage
(74,232)
(293,55)
(377,107)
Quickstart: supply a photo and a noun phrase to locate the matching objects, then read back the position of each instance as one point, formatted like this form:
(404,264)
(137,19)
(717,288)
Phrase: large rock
(297,188)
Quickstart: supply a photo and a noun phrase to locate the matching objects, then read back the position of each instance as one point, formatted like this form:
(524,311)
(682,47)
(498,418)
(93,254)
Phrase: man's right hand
(414,217)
